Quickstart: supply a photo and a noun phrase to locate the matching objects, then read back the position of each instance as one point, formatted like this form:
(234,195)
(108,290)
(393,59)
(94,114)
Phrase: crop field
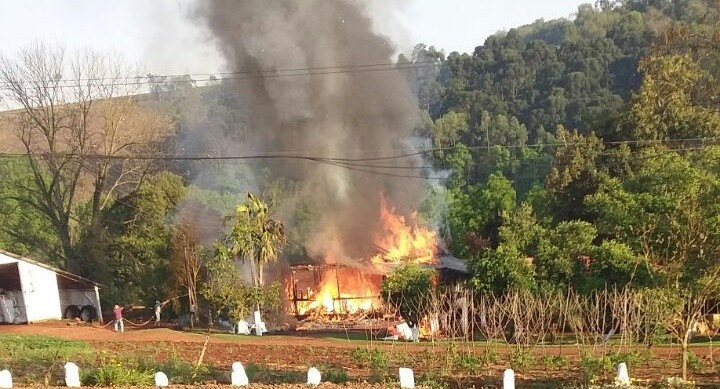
(35,355)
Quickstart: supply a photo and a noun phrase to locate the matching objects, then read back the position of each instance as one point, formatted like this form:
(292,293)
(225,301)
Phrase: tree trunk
(260,275)
(685,344)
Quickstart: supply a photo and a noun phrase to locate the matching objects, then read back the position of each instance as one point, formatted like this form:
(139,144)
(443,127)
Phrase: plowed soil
(298,351)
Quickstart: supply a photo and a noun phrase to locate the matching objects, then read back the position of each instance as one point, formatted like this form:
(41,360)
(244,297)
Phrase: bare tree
(186,263)
(78,121)
(684,309)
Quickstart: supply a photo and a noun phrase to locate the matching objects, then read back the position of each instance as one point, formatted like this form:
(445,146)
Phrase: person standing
(158,309)
(119,325)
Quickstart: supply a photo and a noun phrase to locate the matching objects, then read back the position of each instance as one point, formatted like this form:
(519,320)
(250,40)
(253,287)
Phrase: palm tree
(256,237)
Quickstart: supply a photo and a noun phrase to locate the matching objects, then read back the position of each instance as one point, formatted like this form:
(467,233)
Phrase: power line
(281,154)
(355,164)
(232,76)
(150,75)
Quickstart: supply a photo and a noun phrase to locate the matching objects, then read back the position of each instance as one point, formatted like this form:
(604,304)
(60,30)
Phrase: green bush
(592,367)
(181,372)
(694,363)
(632,358)
(490,357)
(262,374)
(431,379)
(370,357)
(116,372)
(552,362)
(468,362)
(522,359)
(332,372)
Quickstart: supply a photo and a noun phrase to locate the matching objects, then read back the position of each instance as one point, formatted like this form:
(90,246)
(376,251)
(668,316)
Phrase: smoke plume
(346,114)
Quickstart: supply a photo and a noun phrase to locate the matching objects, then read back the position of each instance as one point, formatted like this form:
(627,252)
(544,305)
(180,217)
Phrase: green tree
(574,175)
(25,230)
(475,212)
(407,289)
(132,252)
(666,107)
(509,265)
(449,128)
(666,213)
(75,139)
(255,236)
(226,291)
(560,250)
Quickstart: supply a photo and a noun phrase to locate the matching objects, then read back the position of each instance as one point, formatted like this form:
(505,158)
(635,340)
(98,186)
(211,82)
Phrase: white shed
(31,291)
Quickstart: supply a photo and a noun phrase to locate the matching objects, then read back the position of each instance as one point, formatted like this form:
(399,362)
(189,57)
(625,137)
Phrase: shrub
(115,372)
(332,372)
(522,359)
(263,374)
(468,362)
(432,379)
(552,362)
(592,367)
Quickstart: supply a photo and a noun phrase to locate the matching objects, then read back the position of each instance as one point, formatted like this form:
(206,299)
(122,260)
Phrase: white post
(72,375)
(313,377)
(97,302)
(161,380)
(407,378)
(623,378)
(5,379)
(238,377)
(509,379)
(258,323)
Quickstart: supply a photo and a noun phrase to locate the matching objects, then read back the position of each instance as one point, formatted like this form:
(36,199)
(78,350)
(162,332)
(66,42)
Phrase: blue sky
(157,35)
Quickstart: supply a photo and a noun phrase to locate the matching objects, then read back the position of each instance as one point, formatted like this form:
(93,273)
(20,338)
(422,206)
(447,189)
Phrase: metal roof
(60,272)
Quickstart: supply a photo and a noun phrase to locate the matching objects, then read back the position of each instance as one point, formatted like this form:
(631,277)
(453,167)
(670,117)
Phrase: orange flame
(356,293)
(348,290)
(402,243)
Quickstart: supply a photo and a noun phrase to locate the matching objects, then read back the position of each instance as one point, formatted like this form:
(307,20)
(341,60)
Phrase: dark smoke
(348,115)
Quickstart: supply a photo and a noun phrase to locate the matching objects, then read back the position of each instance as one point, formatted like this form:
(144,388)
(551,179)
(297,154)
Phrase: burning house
(338,290)
(343,293)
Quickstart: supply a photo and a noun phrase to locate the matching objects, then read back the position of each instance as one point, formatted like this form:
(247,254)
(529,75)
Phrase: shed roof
(67,279)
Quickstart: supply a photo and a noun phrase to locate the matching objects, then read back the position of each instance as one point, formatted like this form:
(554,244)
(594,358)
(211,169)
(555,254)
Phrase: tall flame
(403,243)
(348,290)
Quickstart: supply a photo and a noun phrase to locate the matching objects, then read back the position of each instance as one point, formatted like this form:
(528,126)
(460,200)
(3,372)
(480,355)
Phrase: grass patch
(133,370)
(332,372)
(114,371)
(39,359)
(263,374)
(36,347)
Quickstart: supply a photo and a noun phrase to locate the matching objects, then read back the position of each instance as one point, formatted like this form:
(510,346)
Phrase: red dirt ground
(297,351)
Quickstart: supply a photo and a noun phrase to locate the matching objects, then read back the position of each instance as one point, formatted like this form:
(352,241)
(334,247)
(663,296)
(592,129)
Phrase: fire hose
(133,324)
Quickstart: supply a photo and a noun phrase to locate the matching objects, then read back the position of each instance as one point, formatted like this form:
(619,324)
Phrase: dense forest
(577,153)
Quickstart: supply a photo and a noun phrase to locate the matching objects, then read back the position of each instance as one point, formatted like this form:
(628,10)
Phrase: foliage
(25,229)
(229,294)
(553,362)
(75,142)
(136,242)
(333,372)
(592,368)
(255,237)
(522,359)
(114,371)
(406,289)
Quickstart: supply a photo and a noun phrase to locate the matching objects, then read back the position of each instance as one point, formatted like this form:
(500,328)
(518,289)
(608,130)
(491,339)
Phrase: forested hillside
(577,152)
(581,152)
